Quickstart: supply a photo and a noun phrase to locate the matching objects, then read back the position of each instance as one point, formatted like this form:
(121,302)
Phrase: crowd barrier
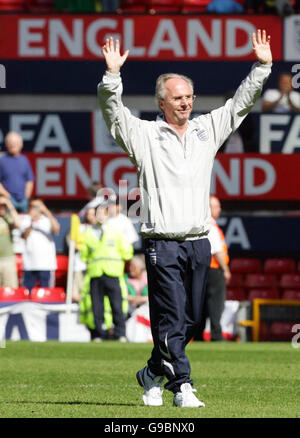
(40,322)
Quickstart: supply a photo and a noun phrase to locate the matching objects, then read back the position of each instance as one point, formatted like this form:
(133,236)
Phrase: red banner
(167,37)
(241,177)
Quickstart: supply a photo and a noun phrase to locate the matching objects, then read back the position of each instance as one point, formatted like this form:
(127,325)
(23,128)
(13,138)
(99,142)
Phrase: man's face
(90,216)
(101,214)
(113,209)
(285,84)
(13,144)
(35,210)
(178,102)
(135,269)
(215,207)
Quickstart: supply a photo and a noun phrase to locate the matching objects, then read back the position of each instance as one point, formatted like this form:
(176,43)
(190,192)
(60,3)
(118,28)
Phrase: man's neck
(180,129)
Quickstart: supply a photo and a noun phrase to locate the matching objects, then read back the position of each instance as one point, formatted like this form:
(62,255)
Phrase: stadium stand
(290,281)
(77,6)
(264,331)
(132,6)
(235,293)
(268,293)
(48,295)
(253,277)
(19,265)
(163,6)
(40,5)
(281,331)
(13,294)
(245,265)
(236,280)
(279,266)
(61,271)
(158,6)
(193,6)
(291,294)
(12,5)
(260,281)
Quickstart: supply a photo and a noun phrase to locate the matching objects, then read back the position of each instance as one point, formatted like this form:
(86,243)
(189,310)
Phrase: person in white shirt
(174,158)
(120,220)
(284,99)
(39,256)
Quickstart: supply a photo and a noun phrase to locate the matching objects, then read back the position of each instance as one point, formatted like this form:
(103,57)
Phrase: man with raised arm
(174,157)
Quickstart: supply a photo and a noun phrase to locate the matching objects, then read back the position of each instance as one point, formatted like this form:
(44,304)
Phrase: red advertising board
(197,37)
(240,177)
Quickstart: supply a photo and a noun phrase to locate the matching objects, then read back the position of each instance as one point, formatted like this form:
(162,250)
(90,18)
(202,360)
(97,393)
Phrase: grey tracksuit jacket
(174,172)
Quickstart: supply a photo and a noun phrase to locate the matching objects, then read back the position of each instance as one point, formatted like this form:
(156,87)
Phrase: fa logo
(2,76)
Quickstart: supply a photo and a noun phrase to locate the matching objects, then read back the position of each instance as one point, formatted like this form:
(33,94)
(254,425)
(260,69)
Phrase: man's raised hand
(261,47)
(113,58)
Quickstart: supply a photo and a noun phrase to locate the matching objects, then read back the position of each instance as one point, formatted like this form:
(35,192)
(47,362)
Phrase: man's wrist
(113,72)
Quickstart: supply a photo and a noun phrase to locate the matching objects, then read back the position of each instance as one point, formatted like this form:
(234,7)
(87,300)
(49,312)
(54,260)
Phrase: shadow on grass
(75,402)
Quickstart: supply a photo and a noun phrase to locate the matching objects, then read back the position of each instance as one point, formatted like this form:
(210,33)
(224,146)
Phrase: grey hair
(140,259)
(160,90)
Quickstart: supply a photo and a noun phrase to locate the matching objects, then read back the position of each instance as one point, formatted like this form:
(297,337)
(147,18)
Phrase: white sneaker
(152,385)
(186,398)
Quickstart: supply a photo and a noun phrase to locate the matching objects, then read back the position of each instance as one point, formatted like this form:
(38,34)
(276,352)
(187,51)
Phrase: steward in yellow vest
(104,249)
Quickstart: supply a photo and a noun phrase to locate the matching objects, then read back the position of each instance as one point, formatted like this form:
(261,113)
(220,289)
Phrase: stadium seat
(78,6)
(236,280)
(298,266)
(235,293)
(62,270)
(264,331)
(281,331)
(279,266)
(268,293)
(48,294)
(133,6)
(190,6)
(12,5)
(245,265)
(14,294)
(19,265)
(62,262)
(260,280)
(290,281)
(156,6)
(40,5)
(291,294)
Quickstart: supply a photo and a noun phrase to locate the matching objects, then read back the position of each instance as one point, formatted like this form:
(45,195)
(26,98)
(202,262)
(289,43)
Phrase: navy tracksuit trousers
(177,272)
(110,286)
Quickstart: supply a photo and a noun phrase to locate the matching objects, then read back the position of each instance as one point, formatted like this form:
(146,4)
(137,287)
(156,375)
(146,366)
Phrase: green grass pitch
(78,380)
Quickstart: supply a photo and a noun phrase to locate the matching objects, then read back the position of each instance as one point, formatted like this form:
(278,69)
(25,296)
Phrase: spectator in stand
(120,220)
(284,99)
(110,5)
(9,219)
(39,256)
(79,266)
(225,7)
(16,176)
(137,283)
(104,249)
(218,275)
(278,7)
